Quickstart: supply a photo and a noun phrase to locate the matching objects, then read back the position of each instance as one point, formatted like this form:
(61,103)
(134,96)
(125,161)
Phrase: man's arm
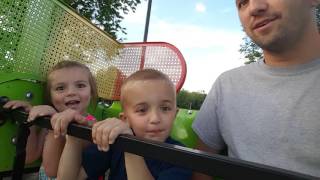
(203,147)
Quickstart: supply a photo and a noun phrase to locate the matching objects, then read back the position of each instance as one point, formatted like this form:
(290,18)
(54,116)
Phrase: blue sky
(207,32)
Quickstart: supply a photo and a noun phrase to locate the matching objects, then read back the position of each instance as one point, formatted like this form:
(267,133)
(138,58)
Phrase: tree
(106,14)
(253,52)
(190,100)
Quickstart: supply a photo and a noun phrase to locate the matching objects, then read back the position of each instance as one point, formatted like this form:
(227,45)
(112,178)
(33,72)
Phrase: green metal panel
(182,130)
(37,34)
(15,88)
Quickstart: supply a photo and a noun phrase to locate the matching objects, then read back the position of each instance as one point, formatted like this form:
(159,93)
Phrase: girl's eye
(59,88)
(81,85)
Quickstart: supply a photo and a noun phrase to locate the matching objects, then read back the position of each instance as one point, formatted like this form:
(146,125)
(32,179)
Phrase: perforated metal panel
(37,34)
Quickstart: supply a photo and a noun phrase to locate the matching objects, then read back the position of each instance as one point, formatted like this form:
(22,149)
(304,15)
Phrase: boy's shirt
(96,163)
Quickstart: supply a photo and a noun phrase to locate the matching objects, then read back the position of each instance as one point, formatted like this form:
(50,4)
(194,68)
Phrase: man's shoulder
(239,72)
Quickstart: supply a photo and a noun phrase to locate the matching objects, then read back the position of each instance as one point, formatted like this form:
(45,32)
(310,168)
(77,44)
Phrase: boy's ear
(177,112)
(122,117)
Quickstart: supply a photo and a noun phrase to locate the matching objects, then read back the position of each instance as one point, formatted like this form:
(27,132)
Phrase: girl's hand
(105,132)
(60,121)
(41,110)
(17,104)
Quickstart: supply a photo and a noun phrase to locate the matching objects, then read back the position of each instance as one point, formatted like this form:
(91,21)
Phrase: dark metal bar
(146,28)
(19,160)
(211,164)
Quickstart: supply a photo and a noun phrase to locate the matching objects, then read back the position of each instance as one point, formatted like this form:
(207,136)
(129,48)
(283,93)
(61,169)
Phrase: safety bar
(211,164)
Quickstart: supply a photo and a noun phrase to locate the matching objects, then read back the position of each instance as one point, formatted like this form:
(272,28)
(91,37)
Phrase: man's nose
(258,7)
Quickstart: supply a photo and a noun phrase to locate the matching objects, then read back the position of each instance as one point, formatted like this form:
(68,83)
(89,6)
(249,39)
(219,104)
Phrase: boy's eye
(141,110)
(165,108)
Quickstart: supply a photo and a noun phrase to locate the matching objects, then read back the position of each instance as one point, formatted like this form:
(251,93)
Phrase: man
(269,111)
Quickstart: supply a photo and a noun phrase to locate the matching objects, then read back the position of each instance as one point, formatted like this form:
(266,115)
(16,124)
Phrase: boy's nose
(155,117)
(258,7)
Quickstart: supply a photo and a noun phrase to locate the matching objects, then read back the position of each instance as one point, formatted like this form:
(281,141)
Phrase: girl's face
(70,88)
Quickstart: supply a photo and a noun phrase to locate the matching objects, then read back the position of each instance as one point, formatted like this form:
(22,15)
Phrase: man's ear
(314,3)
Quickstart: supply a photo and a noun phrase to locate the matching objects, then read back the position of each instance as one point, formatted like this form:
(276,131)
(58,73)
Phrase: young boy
(148,100)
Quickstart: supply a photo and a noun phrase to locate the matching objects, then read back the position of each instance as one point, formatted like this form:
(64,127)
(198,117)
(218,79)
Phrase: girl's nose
(71,91)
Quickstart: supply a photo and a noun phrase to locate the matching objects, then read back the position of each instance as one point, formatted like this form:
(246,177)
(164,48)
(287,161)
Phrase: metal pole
(146,28)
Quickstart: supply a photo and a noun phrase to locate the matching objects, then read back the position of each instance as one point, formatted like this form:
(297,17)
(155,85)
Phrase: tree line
(190,100)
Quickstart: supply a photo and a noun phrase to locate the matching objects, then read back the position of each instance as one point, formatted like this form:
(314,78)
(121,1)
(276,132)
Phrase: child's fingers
(63,126)
(115,132)
(38,111)
(16,104)
(121,128)
(8,105)
(99,133)
(94,130)
(81,120)
(105,140)
(33,114)
(56,126)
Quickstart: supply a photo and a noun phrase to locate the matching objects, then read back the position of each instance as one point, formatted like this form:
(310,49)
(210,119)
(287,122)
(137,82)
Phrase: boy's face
(275,25)
(150,108)
(70,88)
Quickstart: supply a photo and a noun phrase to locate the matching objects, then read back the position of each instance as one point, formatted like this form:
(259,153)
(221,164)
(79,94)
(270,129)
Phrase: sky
(208,34)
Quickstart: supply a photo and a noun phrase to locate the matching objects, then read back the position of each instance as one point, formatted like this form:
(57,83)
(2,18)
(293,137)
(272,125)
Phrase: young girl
(70,89)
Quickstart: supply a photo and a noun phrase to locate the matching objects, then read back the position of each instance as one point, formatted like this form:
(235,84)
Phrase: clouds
(208,50)
(200,7)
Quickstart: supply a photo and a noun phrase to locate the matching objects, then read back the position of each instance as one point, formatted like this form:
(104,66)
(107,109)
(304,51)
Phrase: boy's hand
(41,110)
(60,121)
(17,104)
(105,132)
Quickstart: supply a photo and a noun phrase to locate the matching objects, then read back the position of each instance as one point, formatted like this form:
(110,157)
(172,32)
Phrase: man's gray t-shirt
(266,115)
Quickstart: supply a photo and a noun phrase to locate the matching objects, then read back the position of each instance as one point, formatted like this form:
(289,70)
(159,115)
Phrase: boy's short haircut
(71,64)
(144,75)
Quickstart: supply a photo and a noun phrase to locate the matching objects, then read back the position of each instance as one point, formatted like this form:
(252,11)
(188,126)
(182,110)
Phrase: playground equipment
(36,34)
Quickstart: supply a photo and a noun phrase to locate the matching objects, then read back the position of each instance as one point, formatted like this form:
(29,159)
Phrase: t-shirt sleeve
(95,162)
(206,123)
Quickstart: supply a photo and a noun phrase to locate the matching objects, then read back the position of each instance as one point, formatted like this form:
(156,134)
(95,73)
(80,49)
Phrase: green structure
(37,34)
